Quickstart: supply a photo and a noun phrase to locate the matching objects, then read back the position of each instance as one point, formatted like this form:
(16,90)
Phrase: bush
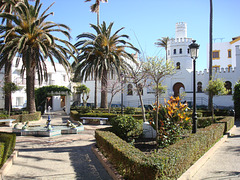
(172,119)
(129,110)
(25,117)
(83,110)
(129,161)
(2,147)
(9,141)
(236,97)
(126,127)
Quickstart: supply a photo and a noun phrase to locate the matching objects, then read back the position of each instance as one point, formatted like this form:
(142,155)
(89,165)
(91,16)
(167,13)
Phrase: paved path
(225,162)
(61,157)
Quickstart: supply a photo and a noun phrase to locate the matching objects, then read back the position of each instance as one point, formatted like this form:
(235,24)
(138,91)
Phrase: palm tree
(162,43)
(103,53)
(5,62)
(34,42)
(210,96)
(96,8)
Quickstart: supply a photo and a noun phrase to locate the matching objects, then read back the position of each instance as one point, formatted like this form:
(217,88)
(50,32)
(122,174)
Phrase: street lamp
(194,47)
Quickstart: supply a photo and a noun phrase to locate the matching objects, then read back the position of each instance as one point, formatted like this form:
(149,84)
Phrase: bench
(8,121)
(102,120)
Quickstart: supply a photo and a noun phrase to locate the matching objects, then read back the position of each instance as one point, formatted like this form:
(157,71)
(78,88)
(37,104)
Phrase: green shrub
(25,117)
(236,97)
(2,148)
(129,110)
(13,140)
(129,161)
(126,127)
(74,115)
(204,122)
(83,110)
(8,140)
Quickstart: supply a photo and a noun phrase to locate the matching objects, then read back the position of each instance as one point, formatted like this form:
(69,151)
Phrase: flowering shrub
(172,120)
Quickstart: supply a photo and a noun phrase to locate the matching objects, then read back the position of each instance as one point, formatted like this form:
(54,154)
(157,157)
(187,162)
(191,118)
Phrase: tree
(84,91)
(10,88)
(210,95)
(5,61)
(138,78)
(102,53)
(163,43)
(34,42)
(157,69)
(114,87)
(216,88)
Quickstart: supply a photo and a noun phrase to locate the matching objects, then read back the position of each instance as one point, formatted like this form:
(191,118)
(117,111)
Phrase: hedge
(168,163)
(25,117)
(76,116)
(129,161)
(2,147)
(236,97)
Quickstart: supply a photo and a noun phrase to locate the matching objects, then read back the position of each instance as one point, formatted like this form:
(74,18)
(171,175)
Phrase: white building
(226,60)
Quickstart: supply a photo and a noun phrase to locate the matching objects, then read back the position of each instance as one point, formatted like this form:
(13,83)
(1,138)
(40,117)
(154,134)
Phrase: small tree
(84,91)
(138,78)
(114,87)
(216,88)
(10,88)
(236,97)
(157,69)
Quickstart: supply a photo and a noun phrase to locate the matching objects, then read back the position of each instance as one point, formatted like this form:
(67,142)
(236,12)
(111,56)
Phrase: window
(178,65)
(217,67)
(188,50)
(130,90)
(64,78)
(229,67)
(228,86)
(174,51)
(180,51)
(229,53)
(199,87)
(216,54)
(168,52)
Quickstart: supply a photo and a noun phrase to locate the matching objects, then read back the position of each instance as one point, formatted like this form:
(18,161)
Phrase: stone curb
(8,164)
(200,162)
(109,167)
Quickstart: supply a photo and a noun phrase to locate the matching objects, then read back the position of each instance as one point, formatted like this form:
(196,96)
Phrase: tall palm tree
(96,8)
(210,96)
(34,41)
(103,53)
(6,6)
(162,43)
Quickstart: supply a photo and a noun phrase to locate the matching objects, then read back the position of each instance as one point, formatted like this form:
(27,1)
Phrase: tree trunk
(31,107)
(109,105)
(142,105)
(210,96)
(95,93)
(157,138)
(8,79)
(104,90)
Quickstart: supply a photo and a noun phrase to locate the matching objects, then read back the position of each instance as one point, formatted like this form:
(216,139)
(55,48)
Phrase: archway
(176,88)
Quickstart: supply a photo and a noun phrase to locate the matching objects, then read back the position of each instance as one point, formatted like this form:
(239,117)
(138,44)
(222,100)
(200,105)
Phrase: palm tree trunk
(8,79)
(210,97)
(31,107)
(95,92)
(104,90)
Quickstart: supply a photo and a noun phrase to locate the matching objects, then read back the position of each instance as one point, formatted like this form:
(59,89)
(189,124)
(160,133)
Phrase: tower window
(180,51)
(229,53)
(199,87)
(188,50)
(174,51)
(228,86)
(178,65)
(216,54)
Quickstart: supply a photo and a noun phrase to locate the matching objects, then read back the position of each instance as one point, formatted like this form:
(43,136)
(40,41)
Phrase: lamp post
(194,47)
(121,93)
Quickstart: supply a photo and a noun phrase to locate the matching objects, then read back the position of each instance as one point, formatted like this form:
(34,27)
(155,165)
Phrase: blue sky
(147,21)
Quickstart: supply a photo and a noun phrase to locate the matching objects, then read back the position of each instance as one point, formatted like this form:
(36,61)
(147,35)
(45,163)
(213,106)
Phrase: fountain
(47,130)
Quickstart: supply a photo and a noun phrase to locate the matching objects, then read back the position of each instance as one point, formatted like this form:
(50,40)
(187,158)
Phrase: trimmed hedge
(2,147)
(168,163)
(9,140)
(129,161)
(25,117)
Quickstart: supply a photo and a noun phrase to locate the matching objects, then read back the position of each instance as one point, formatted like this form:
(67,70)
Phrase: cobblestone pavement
(60,157)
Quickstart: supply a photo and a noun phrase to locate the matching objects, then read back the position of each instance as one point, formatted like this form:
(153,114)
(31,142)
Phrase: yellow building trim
(235,40)
(229,66)
(216,66)
(218,54)
(229,50)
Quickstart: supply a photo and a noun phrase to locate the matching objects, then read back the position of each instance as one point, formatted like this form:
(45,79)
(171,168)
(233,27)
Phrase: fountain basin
(43,132)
